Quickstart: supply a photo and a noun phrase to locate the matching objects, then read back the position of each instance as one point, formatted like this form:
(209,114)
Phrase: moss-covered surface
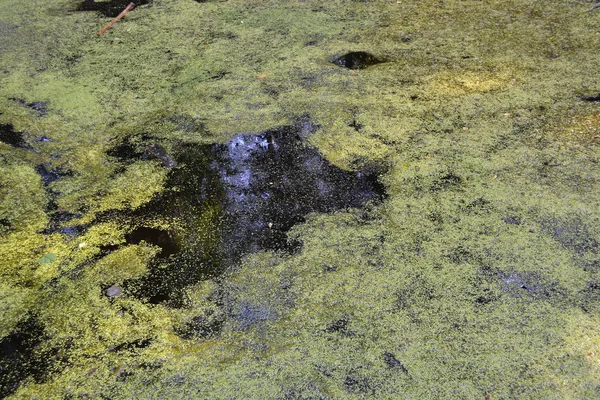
(477,276)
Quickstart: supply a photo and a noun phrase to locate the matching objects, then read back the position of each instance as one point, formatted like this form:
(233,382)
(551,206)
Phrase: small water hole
(357,60)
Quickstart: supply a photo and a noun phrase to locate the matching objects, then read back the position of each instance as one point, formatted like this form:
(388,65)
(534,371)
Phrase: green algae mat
(459,258)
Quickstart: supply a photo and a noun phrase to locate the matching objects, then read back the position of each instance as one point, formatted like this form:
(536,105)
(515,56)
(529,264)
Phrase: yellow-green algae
(479,272)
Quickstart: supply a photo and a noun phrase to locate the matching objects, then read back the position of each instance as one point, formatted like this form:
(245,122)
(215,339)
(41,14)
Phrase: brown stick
(129,7)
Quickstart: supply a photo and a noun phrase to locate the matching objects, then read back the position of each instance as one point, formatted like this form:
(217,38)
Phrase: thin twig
(129,7)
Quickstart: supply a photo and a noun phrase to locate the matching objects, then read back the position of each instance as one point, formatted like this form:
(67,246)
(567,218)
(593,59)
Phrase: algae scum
(299,199)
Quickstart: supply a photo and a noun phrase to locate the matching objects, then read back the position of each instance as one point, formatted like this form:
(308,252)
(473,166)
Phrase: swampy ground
(300,199)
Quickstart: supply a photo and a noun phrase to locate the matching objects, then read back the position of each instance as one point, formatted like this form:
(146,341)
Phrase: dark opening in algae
(357,60)
(18,360)
(109,8)
(244,196)
(9,136)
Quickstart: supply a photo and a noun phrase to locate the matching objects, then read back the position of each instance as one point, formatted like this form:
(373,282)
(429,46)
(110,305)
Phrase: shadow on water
(243,196)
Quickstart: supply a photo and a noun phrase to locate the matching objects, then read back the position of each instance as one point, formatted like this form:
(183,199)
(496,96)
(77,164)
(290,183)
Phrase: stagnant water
(241,197)
(231,199)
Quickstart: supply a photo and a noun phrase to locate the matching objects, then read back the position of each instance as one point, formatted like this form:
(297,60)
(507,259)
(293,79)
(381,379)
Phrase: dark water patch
(357,60)
(242,197)
(341,327)
(358,384)
(158,237)
(48,175)
(19,360)
(126,152)
(201,327)
(11,137)
(134,149)
(445,182)
(593,98)
(39,107)
(109,8)
(392,362)
(519,284)
(271,181)
(157,152)
(130,346)
(512,220)
(573,233)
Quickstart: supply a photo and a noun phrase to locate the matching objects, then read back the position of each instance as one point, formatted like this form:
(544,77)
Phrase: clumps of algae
(457,83)
(463,283)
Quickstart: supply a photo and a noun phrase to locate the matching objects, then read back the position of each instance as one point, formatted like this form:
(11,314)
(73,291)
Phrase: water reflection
(273,180)
(242,197)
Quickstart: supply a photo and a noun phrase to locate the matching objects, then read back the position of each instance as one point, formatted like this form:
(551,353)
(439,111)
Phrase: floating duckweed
(471,279)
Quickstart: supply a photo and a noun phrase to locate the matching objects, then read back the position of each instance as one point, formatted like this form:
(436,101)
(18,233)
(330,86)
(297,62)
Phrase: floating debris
(106,27)
(47,259)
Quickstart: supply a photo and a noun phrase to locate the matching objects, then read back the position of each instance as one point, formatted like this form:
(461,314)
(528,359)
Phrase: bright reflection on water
(243,196)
